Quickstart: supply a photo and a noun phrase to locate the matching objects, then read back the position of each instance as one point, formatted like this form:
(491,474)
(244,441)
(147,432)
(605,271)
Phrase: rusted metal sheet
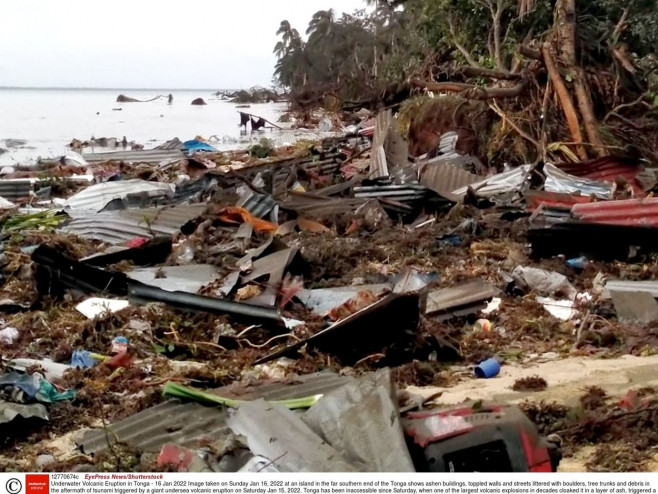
(607,169)
(534,198)
(631,212)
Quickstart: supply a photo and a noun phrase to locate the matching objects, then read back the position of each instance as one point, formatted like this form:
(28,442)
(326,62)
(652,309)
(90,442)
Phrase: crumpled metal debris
(362,421)
(281,436)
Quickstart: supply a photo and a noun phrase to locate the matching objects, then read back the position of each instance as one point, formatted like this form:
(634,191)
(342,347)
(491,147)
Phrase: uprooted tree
(525,79)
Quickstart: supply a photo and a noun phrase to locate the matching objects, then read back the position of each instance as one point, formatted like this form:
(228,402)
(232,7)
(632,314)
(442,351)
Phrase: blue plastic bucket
(487,368)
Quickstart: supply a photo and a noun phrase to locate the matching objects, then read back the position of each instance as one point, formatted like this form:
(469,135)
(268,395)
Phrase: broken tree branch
(520,131)
(528,52)
(621,24)
(624,105)
(544,118)
(497,15)
(469,91)
(459,46)
(492,74)
(567,105)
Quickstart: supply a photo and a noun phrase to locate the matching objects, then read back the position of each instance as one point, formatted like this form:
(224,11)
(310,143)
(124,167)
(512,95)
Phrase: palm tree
(322,23)
(289,39)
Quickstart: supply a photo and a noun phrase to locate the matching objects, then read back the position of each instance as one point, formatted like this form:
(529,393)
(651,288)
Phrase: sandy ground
(566,379)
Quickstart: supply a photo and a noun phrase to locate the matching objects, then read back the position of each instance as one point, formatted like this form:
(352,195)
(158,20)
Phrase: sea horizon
(63,88)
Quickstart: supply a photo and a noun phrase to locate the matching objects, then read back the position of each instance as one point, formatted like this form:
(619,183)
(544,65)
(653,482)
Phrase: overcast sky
(147,44)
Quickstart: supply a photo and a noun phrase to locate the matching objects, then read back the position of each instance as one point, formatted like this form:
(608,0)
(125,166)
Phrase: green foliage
(263,149)
(361,55)
(45,220)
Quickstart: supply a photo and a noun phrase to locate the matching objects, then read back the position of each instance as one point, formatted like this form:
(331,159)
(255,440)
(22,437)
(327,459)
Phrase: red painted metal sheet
(631,212)
(607,169)
(534,198)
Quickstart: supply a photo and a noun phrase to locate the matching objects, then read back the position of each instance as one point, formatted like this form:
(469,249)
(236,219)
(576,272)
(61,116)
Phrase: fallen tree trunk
(469,91)
(566,22)
(492,74)
(565,100)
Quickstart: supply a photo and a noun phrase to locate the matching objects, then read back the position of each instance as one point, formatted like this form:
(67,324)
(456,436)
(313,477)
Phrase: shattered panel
(176,278)
(443,178)
(448,300)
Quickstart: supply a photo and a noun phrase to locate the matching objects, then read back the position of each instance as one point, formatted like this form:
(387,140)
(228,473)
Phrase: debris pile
(321,276)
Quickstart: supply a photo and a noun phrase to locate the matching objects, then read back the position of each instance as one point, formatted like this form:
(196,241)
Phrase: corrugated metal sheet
(406,192)
(459,297)
(117,227)
(443,178)
(631,212)
(556,181)
(607,169)
(16,188)
(172,421)
(172,144)
(187,423)
(291,387)
(257,204)
(96,197)
(559,181)
(448,142)
(310,204)
(378,163)
(139,156)
(553,199)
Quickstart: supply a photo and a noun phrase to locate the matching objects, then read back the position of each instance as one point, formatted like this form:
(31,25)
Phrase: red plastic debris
(630,401)
(133,243)
(175,455)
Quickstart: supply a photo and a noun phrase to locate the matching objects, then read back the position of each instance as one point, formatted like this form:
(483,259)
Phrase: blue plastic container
(487,368)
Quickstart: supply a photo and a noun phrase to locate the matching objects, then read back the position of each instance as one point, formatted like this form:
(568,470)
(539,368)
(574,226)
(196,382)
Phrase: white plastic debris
(74,159)
(562,309)
(547,283)
(492,306)
(93,307)
(8,335)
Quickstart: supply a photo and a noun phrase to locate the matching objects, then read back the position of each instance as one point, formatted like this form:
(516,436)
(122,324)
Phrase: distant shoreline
(32,88)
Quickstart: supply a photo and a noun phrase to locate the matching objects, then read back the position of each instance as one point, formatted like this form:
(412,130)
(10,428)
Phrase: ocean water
(48,119)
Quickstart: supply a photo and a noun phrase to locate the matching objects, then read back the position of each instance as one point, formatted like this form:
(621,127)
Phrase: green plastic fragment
(174,390)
